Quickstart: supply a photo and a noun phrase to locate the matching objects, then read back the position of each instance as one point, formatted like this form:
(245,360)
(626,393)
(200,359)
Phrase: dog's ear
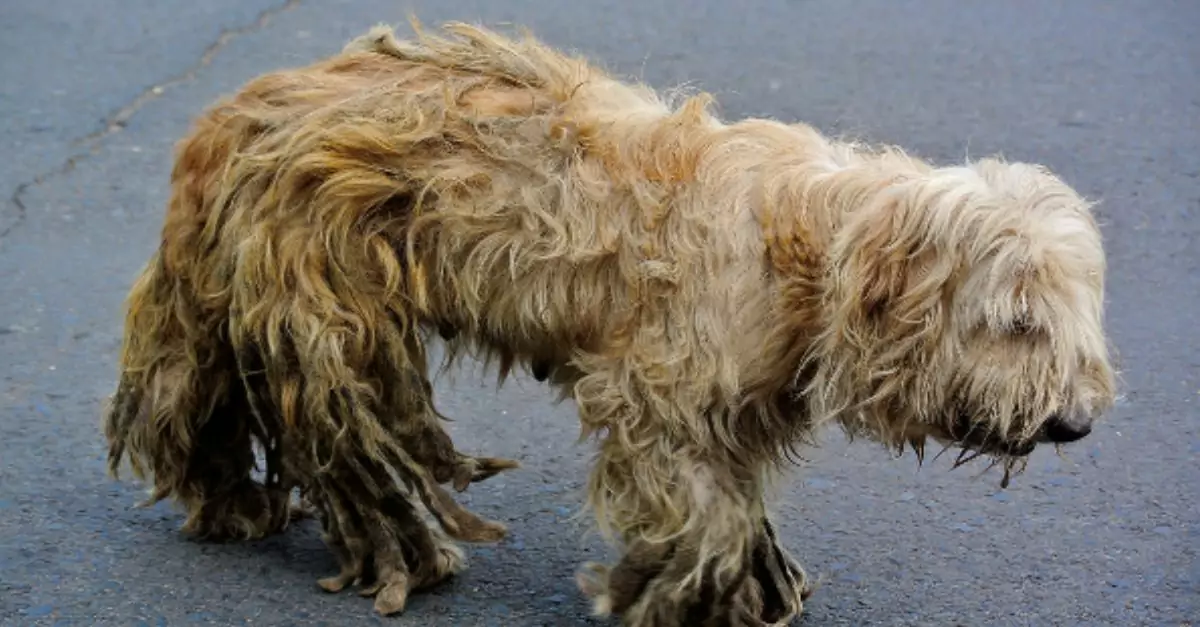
(874,256)
(880,259)
(890,262)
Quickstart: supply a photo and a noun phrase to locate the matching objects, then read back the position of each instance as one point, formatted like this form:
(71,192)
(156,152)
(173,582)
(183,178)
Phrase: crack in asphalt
(116,122)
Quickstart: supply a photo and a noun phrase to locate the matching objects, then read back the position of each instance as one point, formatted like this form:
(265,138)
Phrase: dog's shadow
(526,578)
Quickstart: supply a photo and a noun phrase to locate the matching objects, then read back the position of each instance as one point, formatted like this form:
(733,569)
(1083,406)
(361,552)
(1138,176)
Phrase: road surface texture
(94,93)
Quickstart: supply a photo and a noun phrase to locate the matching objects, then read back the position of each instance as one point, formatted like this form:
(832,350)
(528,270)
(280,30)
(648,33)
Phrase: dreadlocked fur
(709,294)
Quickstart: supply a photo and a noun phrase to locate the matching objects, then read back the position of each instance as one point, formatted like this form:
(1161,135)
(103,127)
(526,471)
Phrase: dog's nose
(1062,429)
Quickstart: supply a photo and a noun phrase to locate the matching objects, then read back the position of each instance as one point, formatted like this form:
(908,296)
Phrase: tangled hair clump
(708,294)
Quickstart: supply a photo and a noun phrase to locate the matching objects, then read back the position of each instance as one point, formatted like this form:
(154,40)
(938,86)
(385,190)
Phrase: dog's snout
(1061,429)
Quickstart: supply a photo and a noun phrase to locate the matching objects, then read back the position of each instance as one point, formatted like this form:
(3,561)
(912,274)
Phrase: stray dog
(708,293)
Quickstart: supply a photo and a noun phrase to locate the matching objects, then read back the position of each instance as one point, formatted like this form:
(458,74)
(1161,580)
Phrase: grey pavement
(94,93)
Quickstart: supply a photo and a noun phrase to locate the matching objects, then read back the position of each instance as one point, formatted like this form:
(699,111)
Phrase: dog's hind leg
(180,415)
(419,448)
(419,429)
(230,502)
(380,539)
(386,548)
(362,440)
(213,479)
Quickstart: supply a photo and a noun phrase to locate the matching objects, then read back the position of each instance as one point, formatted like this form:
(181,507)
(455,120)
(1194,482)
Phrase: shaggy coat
(707,293)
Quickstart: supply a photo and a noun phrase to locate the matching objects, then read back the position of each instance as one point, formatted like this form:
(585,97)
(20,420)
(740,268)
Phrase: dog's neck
(806,191)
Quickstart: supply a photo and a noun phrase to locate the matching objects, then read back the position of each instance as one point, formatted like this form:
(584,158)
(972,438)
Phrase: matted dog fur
(708,293)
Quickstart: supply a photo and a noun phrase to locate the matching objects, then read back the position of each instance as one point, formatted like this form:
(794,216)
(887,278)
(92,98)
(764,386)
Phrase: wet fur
(709,294)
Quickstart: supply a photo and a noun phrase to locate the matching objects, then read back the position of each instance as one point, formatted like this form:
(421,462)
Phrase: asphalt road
(94,93)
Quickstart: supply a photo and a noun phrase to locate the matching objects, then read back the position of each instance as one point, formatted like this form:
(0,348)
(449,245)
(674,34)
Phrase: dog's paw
(392,599)
(391,594)
(652,585)
(350,564)
(301,509)
(475,469)
(391,585)
(338,582)
(459,522)
(782,582)
(396,577)
(614,590)
(592,580)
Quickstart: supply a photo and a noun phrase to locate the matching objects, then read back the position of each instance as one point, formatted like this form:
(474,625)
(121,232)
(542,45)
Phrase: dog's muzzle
(968,434)
(1057,429)
(1061,429)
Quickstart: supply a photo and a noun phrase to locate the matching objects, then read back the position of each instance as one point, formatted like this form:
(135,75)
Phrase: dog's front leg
(699,548)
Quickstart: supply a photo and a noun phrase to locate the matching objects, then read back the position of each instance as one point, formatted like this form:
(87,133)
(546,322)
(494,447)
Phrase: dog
(708,293)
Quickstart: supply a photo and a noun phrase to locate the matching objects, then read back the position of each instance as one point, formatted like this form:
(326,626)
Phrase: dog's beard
(976,438)
(973,434)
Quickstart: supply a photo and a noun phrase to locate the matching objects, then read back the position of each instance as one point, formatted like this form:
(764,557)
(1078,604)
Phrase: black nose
(1060,429)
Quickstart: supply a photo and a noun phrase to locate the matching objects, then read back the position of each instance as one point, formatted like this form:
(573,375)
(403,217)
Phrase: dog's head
(965,304)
